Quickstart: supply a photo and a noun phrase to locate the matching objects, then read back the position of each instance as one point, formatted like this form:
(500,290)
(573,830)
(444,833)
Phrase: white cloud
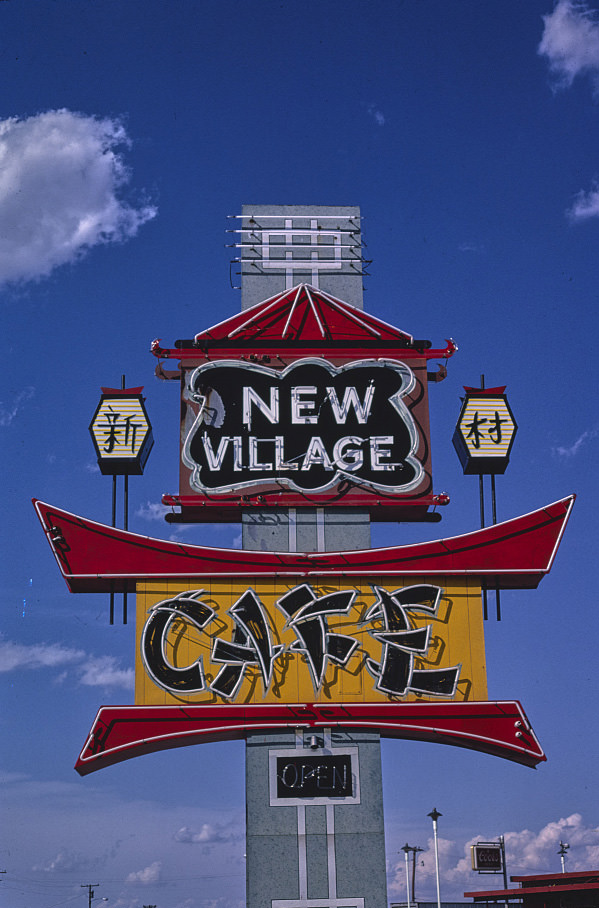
(471,246)
(103,671)
(586,205)
(527,852)
(150,874)
(223,902)
(61,176)
(573,450)
(64,861)
(571,42)
(36,655)
(9,411)
(207,835)
(377,115)
(92,671)
(151,510)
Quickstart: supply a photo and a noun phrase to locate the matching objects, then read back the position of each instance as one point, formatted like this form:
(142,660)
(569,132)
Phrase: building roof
(541,884)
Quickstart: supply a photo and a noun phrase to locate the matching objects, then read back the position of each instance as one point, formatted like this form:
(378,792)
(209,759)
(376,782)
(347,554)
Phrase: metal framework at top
(300,243)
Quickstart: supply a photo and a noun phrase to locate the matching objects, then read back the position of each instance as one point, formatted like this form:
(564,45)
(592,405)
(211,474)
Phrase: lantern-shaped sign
(121,432)
(485,431)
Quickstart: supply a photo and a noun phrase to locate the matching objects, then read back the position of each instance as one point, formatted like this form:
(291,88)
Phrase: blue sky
(468,134)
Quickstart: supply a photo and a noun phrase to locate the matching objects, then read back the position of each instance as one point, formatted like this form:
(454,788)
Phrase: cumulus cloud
(150,874)
(61,184)
(527,852)
(91,671)
(9,411)
(570,42)
(207,835)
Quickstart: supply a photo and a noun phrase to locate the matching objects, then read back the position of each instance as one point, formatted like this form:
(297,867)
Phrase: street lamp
(434,815)
(414,849)
(563,848)
(406,850)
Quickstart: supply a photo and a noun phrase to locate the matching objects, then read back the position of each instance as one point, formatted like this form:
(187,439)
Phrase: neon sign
(307,642)
(305,428)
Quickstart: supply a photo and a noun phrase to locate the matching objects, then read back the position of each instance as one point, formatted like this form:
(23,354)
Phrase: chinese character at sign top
(485,431)
(493,430)
(121,432)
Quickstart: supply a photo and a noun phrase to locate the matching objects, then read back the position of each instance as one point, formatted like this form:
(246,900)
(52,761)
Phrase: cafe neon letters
(317,641)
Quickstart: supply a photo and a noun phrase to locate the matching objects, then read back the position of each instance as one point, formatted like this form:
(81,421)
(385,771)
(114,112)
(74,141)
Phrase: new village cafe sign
(304,401)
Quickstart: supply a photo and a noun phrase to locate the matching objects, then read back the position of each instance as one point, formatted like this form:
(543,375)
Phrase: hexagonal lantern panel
(121,432)
(485,431)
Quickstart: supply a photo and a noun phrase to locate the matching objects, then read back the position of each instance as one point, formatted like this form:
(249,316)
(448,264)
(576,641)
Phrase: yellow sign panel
(121,432)
(487,427)
(323,640)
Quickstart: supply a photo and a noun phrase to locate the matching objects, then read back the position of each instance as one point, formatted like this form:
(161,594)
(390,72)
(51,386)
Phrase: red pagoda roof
(121,732)
(304,317)
(96,558)
(303,313)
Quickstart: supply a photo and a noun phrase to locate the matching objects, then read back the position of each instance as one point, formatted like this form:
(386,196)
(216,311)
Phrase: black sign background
(218,390)
(487,858)
(314,777)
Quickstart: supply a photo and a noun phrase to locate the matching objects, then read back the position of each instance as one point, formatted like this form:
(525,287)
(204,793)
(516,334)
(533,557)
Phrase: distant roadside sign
(487,857)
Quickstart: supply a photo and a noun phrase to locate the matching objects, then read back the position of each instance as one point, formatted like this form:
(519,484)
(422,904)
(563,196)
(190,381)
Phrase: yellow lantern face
(485,433)
(487,427)
(323,640)
(122,434)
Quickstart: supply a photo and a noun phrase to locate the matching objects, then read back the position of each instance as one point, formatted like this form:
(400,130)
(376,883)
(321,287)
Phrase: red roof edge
(93,557)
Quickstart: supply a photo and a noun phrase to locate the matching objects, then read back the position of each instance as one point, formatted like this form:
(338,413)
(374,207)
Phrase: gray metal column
(279,246)
(276,247)
(311,852)
(315,852)
(306,530)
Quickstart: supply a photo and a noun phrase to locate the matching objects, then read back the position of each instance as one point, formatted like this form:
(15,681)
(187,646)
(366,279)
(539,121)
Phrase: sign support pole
(333,852)
(122,437)
(481,494)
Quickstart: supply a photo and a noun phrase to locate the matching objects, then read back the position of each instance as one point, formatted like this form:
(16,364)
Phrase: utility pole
(415,851)
(90,892)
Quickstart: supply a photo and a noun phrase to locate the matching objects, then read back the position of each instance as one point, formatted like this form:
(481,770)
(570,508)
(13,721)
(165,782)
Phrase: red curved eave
(93,557)
(495,727)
